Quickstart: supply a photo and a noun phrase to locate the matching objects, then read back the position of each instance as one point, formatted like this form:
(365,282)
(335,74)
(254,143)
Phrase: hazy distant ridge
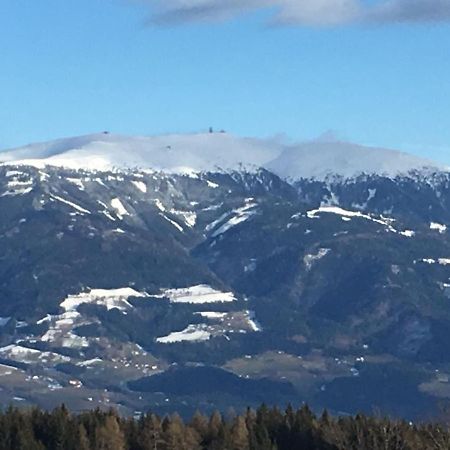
(192,153)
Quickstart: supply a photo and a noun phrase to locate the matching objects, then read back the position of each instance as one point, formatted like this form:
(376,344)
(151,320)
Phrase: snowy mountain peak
(173,153)
(322,158)
(187,153)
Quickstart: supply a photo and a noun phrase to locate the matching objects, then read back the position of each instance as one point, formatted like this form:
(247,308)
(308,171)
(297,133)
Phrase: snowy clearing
(77,182)
(346,214)
(212,185)
(189,217)
(198,294)
(212,315)
(110,298)
(120,209)
(240,215)
(30,355)
(193,333)
(141,186)
(438,227)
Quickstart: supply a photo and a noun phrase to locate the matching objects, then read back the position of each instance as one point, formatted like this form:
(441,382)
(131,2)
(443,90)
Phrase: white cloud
(303,12)
(319,12)
(411,11)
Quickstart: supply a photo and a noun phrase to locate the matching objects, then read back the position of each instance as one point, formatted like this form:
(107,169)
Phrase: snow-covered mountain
(217,151)
(319,159)
(171,153)
(114,281)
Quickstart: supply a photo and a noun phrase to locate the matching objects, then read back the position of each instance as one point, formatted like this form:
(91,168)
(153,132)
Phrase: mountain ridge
(111,277)
(213,152)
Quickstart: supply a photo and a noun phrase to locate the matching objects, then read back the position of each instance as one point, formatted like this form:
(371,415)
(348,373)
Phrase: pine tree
(150,433)
(239,434)
(215,425)
(83,440)
(57,425)
(109,436)
(22,435)
(200,424)
(178,436)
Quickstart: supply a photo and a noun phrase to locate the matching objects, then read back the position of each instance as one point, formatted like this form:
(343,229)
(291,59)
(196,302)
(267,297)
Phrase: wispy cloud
(302,12)
(411,11)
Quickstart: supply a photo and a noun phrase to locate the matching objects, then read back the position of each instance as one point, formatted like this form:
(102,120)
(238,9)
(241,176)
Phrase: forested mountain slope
(119,283)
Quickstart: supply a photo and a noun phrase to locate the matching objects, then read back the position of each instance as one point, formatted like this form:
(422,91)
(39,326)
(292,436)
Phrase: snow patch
(310,259)
(189,217)
(441,261)
(198,294)
(105,211)
(212,185)
(315,213)
(193,333)
(175,224)
(141,186)
(240,215)
(73,205)
(30,355)
(90,362)
(77,182)
(110,298)
(159,205)
(252,322)
(438,227)
(14,173)
(17,191)
(120,209)
(213,315)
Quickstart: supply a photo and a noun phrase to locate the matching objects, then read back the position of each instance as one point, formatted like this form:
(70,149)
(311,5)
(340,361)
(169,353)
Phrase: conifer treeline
(264,429)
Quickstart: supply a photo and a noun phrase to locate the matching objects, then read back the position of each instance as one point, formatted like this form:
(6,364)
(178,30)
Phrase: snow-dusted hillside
(110,277)
(319,159)
(217,151)
(171,153)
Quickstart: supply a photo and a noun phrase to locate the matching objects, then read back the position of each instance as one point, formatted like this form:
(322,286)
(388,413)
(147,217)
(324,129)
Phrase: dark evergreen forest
(263,429)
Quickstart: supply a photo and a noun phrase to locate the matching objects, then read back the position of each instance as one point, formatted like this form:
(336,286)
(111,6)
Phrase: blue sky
(379,77)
